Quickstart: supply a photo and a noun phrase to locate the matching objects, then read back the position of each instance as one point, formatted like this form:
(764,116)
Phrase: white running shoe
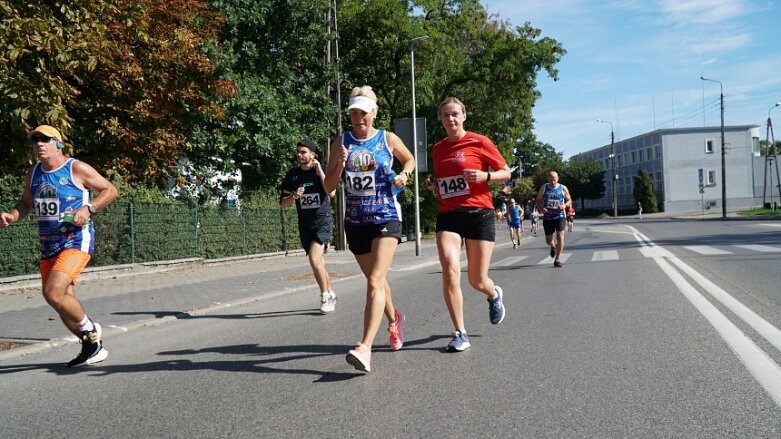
(327,302)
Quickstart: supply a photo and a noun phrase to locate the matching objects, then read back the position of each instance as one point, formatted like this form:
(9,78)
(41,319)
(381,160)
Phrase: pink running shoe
(395,334)
(360,357)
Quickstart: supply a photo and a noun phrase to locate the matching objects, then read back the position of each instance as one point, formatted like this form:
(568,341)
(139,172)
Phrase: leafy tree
(274,53)
(538,159)
(124,81)
(136,111)
(487,64)
(644,192)
(764,150)
(46,51)
(492,67)
(584,179)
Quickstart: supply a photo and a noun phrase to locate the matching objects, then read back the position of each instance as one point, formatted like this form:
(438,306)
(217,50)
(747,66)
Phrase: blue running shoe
(459,342)
(496,307)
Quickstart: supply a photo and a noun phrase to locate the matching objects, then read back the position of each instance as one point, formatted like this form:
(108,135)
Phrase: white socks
(86,324)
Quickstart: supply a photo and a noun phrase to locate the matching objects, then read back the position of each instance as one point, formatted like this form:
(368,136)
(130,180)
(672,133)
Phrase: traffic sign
(702,177)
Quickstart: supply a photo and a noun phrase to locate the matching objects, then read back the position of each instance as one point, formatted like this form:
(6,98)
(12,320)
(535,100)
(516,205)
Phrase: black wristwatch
(92,209)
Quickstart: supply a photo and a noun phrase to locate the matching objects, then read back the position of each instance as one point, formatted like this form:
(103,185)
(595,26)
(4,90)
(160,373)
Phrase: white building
(673,157)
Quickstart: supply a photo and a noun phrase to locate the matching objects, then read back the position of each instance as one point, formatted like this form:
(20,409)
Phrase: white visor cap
(362,103)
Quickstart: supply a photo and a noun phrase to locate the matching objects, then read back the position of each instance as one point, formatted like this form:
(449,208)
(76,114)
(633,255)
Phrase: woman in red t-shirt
(464,164)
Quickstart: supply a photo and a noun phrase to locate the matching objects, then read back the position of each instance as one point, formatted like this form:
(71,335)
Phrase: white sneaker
(327,302)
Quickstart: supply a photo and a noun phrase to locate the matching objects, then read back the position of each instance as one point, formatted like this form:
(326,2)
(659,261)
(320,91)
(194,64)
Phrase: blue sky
(637,64)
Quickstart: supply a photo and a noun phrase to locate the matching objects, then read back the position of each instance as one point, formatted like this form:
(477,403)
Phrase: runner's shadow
(254,359)
(182,315)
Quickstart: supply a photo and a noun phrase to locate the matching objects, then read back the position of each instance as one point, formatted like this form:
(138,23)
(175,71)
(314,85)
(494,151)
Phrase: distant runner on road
(57,192)
(303,185)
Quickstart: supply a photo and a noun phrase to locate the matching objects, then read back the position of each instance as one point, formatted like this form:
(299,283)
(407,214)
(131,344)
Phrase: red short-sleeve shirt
(473,151)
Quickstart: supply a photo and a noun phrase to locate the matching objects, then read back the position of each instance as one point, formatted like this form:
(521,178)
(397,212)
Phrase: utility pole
(613,166)
(769,159)
(723,150)
(332,57)
(614,175)
(723,159)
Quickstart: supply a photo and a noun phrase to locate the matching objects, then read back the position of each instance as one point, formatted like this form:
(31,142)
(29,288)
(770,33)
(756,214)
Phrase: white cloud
(686,12)
(721,44)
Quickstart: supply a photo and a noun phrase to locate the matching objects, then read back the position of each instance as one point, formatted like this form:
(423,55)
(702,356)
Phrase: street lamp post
(412,44)
(723,150)
(614,175)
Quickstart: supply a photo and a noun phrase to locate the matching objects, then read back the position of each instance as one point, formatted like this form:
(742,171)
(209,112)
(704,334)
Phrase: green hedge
(133,232)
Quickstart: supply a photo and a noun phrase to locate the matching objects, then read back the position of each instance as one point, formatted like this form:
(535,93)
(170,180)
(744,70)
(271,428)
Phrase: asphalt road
(659,328)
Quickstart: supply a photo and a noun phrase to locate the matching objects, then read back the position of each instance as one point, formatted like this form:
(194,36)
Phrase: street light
(412,44)
(614,177)
(723,150)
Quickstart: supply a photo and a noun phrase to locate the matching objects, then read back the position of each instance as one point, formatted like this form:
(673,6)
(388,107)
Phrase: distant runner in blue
(553,199)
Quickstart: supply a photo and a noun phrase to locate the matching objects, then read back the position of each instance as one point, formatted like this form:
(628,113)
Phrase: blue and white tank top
(552,198)
(56,197)
(367,179)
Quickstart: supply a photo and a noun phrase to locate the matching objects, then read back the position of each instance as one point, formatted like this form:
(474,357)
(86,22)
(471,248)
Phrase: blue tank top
(55,198)
(367,180)
(552,198)
(515,213)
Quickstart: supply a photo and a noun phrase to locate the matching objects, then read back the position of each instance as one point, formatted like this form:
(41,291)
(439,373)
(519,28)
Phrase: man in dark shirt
(303,186)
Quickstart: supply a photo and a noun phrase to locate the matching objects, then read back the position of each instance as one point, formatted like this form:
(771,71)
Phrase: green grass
(761,212)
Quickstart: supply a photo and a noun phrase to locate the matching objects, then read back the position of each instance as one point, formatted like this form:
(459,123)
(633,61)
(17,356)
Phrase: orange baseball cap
(46,130)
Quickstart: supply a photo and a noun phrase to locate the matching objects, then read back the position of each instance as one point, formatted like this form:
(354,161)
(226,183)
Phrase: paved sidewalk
(126,297)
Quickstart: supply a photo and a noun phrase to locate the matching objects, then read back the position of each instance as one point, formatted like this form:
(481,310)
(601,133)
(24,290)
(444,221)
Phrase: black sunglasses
(44,139)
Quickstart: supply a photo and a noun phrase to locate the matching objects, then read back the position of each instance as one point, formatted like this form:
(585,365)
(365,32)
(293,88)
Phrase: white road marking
(761,248)
(419,266)
(549,260)
(706,250)
(604,255)
(760,365)
(509,261)
(121,328)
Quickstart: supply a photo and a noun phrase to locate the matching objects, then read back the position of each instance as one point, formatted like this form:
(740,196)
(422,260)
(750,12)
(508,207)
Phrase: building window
(634,157)
(711,178)
(709,146)
(755,145)
(621,160)
(642,155)
(648,154)
(658,181)
(658,149)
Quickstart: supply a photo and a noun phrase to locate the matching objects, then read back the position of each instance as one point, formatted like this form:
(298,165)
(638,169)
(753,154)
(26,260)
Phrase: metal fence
(128,232)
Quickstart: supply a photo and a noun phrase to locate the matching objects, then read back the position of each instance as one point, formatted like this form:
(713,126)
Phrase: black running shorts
(470,223)
(319,230)
(360,236)
(554,225)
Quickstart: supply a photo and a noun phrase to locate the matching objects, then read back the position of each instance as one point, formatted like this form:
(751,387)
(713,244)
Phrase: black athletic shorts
(470,223)
(554,225)
(320,230)
(360,236)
